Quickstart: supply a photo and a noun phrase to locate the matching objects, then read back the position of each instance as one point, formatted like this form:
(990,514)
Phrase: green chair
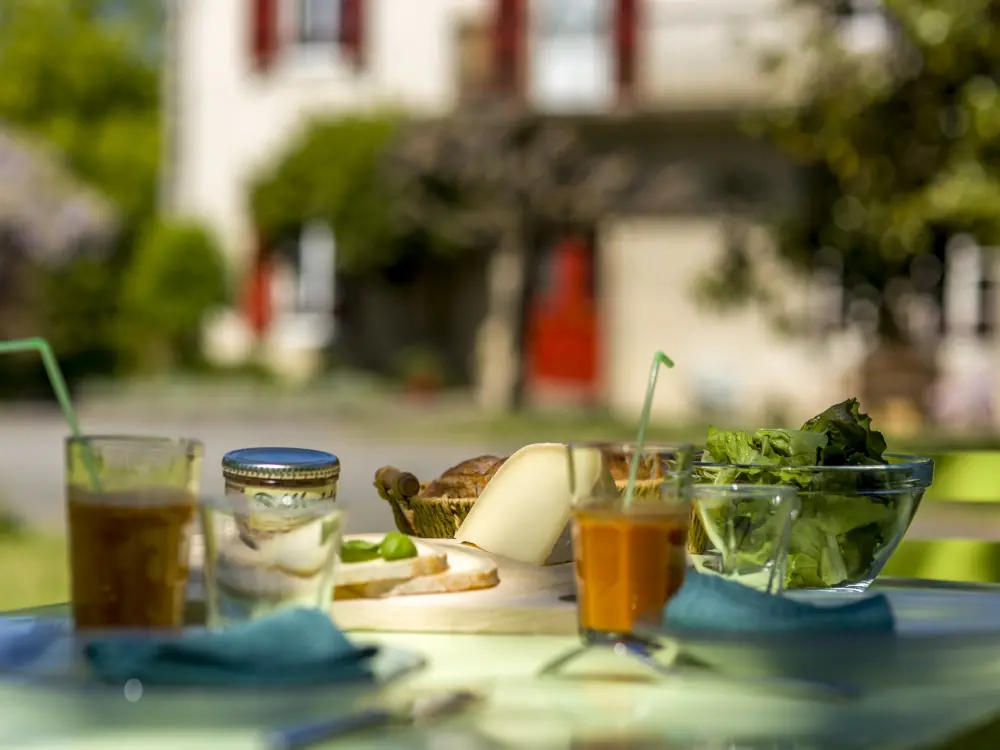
(967,560)
(967,477)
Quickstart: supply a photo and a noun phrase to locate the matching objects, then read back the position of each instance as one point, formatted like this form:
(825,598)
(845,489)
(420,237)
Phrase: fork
(684,665)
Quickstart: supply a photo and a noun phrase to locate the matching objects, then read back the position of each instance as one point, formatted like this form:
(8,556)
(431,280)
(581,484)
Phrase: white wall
(708,54)
(650,269)
(229,121)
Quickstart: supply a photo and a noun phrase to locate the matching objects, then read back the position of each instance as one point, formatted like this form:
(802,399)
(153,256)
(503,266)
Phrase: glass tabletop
(523,710)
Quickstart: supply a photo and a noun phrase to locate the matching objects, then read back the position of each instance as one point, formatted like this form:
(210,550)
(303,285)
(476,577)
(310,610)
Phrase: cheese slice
(465,570)
(524,510)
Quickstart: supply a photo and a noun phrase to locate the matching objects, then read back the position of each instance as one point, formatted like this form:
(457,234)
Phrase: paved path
(31,450)
(31,466)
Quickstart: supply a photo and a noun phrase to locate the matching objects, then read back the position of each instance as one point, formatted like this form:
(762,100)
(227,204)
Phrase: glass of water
(261,558)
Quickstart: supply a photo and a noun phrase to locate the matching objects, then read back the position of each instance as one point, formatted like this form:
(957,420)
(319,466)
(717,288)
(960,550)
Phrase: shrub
(12,526)
(332,172)
(175,276)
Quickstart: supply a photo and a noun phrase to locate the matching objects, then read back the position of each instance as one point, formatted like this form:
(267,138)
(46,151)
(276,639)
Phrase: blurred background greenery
(897,155)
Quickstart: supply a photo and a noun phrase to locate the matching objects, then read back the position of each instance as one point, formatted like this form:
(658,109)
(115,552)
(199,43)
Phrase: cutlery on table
(413,711)
(682,665)
(795,687)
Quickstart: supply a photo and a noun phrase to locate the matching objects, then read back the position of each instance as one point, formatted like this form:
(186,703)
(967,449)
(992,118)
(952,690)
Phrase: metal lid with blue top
(281,464)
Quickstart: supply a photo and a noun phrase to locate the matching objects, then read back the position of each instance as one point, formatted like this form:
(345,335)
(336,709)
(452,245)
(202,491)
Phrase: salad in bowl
(856,499)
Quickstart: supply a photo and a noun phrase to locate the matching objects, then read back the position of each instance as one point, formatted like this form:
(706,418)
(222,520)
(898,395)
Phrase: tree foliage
(331,172)
(456,182)
(494,173)
(176,274)
(493,166)
(900,150)
(84,76)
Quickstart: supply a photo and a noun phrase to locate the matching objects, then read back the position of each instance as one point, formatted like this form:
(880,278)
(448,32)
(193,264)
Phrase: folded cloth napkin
(25,640)
(710,602)
(293,647)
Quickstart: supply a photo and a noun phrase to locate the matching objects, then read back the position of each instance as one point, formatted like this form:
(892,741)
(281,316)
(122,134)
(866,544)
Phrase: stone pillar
(496,357)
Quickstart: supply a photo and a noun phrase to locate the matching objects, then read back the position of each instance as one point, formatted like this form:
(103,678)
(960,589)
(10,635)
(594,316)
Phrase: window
(967,289)
(318,21)
(572,60)
(330,25)
(572,18)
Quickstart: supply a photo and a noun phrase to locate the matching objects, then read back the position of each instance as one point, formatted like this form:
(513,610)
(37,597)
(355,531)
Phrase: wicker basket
(440,517)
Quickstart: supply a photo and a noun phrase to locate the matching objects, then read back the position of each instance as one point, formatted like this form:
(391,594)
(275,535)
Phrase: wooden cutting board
(529,600)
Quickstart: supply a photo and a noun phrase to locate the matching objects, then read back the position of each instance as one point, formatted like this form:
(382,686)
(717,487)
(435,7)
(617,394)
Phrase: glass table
(524,711)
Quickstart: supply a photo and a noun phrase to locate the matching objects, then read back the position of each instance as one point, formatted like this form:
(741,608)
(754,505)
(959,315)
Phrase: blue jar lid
(281,464)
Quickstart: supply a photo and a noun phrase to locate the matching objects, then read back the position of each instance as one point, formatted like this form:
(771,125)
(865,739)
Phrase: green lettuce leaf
(850,437)
(838,531)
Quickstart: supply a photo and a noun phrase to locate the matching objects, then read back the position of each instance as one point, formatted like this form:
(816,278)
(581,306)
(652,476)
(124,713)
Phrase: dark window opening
(318,21)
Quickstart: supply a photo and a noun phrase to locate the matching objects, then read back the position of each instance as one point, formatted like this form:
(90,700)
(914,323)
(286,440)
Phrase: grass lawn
(35,568)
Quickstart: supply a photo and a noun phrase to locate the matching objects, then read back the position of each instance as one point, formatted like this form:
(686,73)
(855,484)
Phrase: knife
(413,711)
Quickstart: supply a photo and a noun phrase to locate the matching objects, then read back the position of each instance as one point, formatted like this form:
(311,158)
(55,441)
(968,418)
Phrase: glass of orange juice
(629,552)
(629,547)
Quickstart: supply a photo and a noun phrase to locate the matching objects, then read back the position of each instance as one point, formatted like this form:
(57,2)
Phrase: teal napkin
(708,602)
(293,647)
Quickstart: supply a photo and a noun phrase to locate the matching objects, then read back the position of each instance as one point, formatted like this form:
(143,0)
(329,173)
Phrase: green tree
(494,175)
(899,151)
(83,78)
(83,75)
(175,276)
(490,176)
(331,172)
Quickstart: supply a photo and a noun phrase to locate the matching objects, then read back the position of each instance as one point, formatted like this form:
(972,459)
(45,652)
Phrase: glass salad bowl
(850,521)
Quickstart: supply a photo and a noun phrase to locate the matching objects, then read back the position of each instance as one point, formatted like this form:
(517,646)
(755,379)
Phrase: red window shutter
(509,37)
(263,33)
(352,31)
(257,302)
(626,57)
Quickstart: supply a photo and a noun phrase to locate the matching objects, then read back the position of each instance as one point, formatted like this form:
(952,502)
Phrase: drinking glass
(747,530)
(261,557)
(629,553)
(131,509)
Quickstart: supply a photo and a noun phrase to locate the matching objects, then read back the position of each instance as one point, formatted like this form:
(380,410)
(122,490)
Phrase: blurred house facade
(667,79)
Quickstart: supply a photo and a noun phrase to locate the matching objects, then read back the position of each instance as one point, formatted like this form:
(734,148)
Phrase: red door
(562,329)
(257,302)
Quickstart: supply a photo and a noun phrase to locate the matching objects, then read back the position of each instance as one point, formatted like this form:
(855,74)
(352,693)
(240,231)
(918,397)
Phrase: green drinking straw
(633,471)
(58,384)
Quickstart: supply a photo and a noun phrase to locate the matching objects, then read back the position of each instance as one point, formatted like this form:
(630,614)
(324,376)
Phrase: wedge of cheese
(524,510)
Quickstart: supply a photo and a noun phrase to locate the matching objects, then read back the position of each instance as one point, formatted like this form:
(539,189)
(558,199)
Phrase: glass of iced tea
(130,531)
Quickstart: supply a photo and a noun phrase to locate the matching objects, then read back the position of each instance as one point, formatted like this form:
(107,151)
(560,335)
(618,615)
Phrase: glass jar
(281,477)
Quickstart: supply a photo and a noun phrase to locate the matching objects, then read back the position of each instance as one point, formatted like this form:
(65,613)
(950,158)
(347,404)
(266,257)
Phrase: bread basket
(440,517)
